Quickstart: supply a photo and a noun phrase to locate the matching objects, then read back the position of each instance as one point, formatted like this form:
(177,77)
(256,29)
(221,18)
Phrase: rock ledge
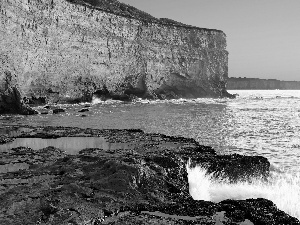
(137,178)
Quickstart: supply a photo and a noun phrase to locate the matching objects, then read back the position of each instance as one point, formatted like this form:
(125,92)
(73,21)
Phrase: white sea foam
(96,101)
(182,101)
(282,189)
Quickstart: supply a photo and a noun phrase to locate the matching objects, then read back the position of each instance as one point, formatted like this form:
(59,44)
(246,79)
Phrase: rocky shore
(10,97)
(132,177)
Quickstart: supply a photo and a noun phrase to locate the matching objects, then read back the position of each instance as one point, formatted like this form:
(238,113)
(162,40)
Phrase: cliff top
(125,10)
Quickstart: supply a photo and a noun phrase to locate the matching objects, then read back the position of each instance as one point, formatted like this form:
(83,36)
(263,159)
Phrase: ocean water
(283,189)
(257,122)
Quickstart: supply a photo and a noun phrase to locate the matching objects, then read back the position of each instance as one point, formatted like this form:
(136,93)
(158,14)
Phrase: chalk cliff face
(59,50)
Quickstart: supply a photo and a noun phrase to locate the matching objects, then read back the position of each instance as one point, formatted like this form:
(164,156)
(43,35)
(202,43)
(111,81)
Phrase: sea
(256,122)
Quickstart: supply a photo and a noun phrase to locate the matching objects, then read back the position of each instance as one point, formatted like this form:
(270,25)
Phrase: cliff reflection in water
(257,122)
(71,145)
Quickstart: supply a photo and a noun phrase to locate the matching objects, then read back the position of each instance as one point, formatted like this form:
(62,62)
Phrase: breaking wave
(282,189)
(97,100)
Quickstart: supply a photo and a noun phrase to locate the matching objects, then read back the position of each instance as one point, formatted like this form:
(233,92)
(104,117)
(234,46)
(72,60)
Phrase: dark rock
(59,110)
(234,167)
(145,183)
(11,100)
(104,94)
(44,112)
(27,110)
(84,110)
(226,94)
(268,213)
(34,101)
(5,139)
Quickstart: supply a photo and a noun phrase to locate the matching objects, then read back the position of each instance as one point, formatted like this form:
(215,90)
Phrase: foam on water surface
(96,101)
(283,189)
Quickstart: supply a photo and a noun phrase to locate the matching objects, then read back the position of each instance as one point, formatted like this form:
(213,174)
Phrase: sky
(263,36)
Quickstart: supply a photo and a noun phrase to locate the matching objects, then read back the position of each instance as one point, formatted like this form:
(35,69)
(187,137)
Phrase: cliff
(234,83)
(59,50)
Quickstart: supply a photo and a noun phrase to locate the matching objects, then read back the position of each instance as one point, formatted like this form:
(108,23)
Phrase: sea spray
(102,101)
(282,189)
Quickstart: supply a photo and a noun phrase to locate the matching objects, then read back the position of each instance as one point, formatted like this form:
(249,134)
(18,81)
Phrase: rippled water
(255,123)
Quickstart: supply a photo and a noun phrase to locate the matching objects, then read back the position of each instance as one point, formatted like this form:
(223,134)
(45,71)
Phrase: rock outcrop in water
(70,50)
(144,182)
(10,98)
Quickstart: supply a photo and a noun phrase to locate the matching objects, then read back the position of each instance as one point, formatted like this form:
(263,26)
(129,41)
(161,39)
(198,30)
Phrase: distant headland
(234,83)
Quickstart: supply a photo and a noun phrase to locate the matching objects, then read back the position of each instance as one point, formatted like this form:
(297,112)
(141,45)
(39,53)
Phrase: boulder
(11,100)
(58,110)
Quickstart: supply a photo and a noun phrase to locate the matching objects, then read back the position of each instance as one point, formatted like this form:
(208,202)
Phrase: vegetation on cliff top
(125,10)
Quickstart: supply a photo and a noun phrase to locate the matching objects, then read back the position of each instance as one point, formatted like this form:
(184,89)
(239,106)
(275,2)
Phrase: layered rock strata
(143,183)
(63,50)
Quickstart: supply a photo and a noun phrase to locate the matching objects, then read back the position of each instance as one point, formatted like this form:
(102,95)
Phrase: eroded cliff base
(68,51)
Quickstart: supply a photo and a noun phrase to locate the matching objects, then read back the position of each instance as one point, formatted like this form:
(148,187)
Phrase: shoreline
(113,184)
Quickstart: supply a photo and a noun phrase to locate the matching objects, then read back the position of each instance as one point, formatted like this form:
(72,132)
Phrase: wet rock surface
(58,110)
(142,183)
(10,97)
(84,110)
